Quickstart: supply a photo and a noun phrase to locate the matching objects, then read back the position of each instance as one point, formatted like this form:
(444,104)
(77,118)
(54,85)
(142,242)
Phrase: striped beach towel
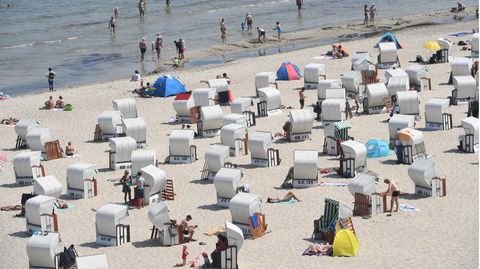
(3,157)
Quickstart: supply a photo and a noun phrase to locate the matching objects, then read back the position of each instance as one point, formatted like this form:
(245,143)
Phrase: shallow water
(72,36)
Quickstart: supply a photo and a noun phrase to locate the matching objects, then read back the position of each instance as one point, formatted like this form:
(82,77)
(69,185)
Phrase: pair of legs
(190,233)
(125,194)
(158,54)
(302,103)
(261,38)
(50,85)
(394,200)
(142,52)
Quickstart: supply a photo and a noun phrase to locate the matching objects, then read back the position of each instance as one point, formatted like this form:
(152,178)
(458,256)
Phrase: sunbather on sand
(286,198)
(61,204)
(11,208)
(50,104)
(60,102)
(10,121)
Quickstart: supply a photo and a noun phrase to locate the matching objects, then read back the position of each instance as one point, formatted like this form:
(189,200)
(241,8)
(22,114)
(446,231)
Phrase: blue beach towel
(291,201)
(408,208)
(70,206)
(460,34)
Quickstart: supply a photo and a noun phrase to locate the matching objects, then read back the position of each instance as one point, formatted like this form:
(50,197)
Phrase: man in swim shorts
(299,4)
(249,21)
(394,191)
(143,48)
(261,35)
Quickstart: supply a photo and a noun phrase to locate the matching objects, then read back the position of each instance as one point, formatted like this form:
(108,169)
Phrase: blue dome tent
(389,37)
(167,86)
(377,148)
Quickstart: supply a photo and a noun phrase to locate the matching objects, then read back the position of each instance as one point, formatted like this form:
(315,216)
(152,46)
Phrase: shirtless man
(143,48)
(286,198)
(394,191)
(301,97)
(60,102)
(249,21)
(69,149)
(141,8)
(116,13)
(50,104)
(186,228)
(373,12)
(299,4)
(223,31)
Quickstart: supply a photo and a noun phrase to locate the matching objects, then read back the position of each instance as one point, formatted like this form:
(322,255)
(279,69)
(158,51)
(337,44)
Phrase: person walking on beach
(111,25)
(223,31)
(51,76)
(141,8)
(373,12)
(249,21)
(261,35)
(365,14)
(143,48)
(279,30)
(299,4)
(167,2)
(301,97)
(116,13)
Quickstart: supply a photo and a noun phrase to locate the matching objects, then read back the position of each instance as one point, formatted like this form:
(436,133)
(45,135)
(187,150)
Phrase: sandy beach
(443,234)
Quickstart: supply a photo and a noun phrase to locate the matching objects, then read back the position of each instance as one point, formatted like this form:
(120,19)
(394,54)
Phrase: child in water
(243,26)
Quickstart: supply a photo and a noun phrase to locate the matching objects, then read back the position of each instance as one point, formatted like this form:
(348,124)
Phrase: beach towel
(318,250)
(214,231)
(323,57)
(408,208)
(335,184)
(291,201)
(460,34)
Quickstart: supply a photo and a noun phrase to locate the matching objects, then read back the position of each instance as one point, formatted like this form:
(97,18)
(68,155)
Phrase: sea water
(72,37)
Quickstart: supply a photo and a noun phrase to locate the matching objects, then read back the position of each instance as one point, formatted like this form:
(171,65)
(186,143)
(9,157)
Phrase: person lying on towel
(290,195)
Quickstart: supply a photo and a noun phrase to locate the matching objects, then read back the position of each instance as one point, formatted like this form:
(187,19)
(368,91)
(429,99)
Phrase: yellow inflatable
(345,243)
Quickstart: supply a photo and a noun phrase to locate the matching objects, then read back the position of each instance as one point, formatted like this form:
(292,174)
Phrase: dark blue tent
(389,37)
(167,86)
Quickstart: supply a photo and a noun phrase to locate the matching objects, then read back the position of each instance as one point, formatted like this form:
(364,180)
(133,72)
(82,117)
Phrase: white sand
(444,234)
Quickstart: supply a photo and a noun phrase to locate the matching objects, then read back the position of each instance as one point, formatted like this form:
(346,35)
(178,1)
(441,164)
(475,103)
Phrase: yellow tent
(345,243)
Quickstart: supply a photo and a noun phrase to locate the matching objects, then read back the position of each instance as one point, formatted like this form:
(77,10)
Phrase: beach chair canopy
(126,106)
(92,261)
(204,97)
(389,37)
(410,137)
(408,102)
(243,206)
(351,80)
(78,172)
(272,96)
(416,72)
(24,125)
(42,249)
(259,143)
(398,122)
(135,128)
(301,121)
(227,182)
(234,235)
(235,118)
(305,164)
(313,71)
(375,93)
(341,129)
(264,79)
(215,157)
(323,85)
(345,243)
(377,148)
(356,150)
(158,214)
(37,137)
(122,147)
(232,132)
(167,86)
(435,108)
(108,217)
(182,104)
(421,172)
(288,71)
(37,206)
(108,121)
(49,186)
(333,109)
(219,84)
(180,142)
(240,105)
(155,178)
(363,184)
(141,158)
(212,117)
(24,161)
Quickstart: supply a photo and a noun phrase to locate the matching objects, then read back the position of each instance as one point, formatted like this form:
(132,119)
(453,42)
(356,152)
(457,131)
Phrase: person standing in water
(116,13)
(167,2)
(50,76)
(373,12)
(279,30)
(249,21)
(261,35)
(111,25)
(365,14)
(299,4)
(223,31)
(158,46)
(143,48)
(141,8)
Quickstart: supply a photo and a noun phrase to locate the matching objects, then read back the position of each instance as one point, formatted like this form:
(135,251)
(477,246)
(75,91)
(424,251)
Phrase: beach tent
(345,244)
(389,37)
(167,86)
(377,148)
(288,71)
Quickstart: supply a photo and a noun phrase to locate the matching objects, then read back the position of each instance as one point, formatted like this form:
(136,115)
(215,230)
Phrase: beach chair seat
(330,214)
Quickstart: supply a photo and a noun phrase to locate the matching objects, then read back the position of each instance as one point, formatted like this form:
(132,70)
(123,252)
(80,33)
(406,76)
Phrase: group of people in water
(372,11)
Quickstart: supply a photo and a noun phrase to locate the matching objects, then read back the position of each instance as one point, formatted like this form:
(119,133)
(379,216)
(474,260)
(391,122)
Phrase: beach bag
(67,257)
(419,59)
(68,107)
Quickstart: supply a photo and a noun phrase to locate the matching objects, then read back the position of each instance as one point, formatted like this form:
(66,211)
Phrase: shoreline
(222,54)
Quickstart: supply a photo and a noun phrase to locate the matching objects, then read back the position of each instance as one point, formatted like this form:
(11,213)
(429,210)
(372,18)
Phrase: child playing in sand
(184,257)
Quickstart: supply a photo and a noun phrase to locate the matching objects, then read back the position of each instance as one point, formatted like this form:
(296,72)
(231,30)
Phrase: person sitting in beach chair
(186,228)
(221,245)
(50,104)
(290,195)
(60,103)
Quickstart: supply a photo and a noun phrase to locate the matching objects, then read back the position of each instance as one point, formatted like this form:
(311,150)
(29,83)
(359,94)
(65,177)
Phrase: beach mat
(408,208)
